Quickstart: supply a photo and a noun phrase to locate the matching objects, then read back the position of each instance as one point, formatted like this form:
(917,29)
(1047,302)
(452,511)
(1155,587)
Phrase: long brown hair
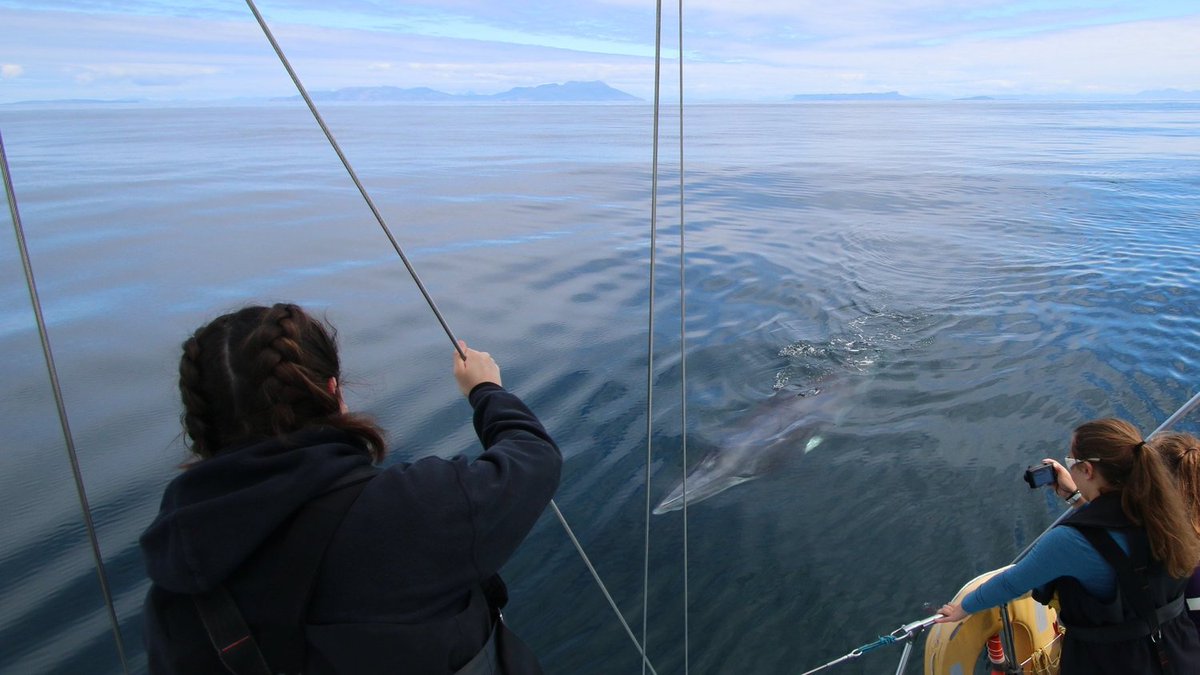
(1149,495)
(1182,454)
(261,372)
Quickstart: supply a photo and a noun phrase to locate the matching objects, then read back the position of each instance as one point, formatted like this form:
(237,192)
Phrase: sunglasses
(1071,461)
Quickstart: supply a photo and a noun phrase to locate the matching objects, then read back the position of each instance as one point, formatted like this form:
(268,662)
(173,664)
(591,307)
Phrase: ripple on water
(980,277)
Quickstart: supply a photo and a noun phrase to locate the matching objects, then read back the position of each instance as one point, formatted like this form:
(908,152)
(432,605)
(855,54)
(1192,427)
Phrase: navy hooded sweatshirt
(399,586)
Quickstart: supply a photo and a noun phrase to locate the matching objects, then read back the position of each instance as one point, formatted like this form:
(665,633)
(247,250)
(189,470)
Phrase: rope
(902,634)
(1041,654)
(855,653)
(683,352)
(412,272)
(68,437)
(650,321)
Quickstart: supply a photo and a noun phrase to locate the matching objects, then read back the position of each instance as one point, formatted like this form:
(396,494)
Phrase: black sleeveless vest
(1144,629)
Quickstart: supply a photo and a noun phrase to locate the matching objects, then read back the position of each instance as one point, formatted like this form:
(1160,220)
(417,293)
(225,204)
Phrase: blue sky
(733,49)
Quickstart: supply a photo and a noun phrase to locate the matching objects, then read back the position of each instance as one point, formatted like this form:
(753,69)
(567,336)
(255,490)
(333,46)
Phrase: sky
(760,50)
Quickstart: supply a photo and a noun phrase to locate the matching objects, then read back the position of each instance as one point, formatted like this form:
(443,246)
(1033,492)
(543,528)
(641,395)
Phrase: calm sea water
(973,278)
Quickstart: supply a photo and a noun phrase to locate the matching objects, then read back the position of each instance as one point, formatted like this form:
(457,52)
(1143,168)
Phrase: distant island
(1151,95)
(79,101)
(570,92)
(586,92)
(1169,95)
(882,96)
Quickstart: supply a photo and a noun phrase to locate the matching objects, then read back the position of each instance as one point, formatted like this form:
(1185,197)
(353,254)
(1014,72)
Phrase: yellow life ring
(954,648)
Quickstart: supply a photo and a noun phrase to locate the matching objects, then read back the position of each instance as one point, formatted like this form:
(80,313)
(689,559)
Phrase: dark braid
(293,384)
(262,372)
(207,385)
(194,406)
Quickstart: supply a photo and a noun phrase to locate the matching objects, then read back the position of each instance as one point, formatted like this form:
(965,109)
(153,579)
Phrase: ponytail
(1181,452)
(1149,495)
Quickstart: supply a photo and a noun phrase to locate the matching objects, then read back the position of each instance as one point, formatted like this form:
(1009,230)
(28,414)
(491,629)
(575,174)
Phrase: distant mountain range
(597,92)
(884,96)
(571,92)
(1169,94)
(1153,95)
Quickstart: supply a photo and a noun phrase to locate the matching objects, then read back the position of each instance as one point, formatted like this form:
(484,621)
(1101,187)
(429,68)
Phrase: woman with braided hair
(1182,452)
(282,549)
(1118,564)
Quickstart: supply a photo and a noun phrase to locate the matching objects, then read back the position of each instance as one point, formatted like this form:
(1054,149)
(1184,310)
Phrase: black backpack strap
(295,559)
(1132,570)
(496,592)
(229,634)
(485,661)
(1133,578)
(506,649)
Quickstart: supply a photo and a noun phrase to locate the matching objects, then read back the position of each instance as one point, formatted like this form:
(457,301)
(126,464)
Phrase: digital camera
(1042,474)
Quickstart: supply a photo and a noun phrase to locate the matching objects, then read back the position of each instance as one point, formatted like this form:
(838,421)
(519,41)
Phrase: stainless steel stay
(68,437)
(646,664)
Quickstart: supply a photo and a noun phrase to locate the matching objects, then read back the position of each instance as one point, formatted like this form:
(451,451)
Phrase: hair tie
(1137,449)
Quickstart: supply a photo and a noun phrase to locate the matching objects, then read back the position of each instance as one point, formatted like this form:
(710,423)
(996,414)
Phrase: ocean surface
(953,286)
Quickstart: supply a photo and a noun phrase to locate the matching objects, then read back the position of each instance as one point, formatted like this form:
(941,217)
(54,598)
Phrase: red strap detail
(235,644)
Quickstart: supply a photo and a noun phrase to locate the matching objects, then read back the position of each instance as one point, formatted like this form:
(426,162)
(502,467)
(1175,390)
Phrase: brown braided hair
(1182,453)
(263,372)
(1149,495)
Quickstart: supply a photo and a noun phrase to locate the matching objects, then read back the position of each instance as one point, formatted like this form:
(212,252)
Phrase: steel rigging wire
(68,437)
(650,325)
(429,300)
(682,331)
(683,389)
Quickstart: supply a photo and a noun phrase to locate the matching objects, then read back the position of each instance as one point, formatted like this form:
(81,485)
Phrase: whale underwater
(782,425)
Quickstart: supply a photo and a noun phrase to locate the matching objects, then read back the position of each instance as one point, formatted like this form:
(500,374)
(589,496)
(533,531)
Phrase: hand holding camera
(1050,472)
(1040,475)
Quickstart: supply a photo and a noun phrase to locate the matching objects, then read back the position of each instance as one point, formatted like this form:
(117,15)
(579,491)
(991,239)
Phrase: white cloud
(9,71)
(1117,58)
(764,50)
(142,74)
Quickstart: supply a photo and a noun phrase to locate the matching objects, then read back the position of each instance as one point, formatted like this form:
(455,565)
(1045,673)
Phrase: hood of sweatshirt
(217,513)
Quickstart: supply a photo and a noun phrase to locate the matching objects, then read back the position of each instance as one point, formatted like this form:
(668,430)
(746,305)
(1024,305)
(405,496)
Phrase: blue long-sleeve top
(1062,552)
